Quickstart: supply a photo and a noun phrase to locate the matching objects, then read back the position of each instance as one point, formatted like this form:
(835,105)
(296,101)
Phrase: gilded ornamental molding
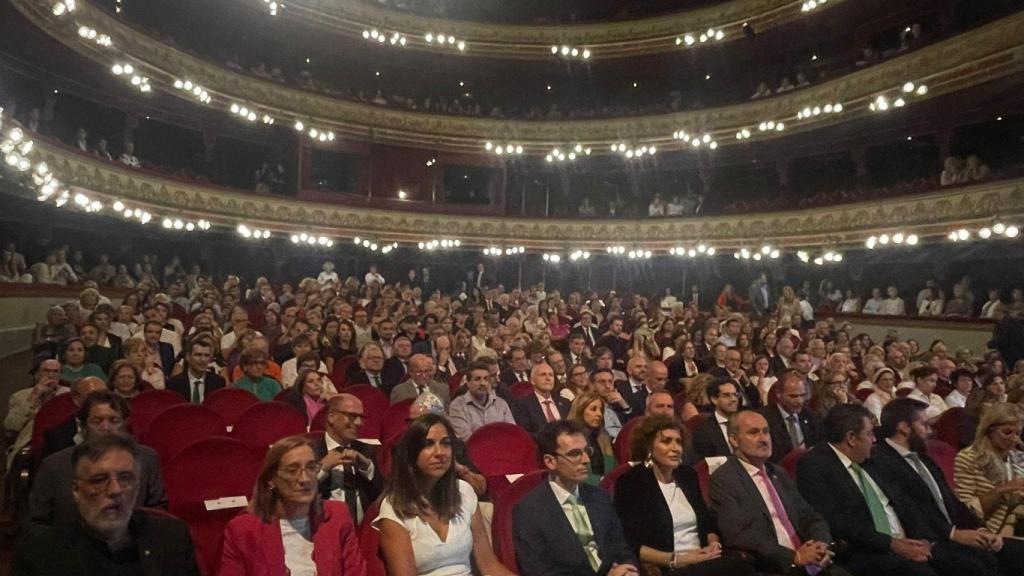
(932,214)
(977,56)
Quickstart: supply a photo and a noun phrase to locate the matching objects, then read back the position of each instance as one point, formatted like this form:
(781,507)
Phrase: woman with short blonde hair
(989,474)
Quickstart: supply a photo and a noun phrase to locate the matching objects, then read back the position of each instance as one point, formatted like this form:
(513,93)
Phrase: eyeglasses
(101,482)
(576,455)
(295,471)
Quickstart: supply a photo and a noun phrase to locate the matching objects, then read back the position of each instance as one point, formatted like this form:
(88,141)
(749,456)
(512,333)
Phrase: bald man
(63,435)
(540,407)
(347,472)
(422,372)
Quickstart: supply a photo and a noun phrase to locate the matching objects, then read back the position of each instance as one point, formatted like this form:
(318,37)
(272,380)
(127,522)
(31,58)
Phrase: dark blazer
(60,436)
(361,377)
(646,519)
(777,365)
(750,395)
(368,490)
(164,547)
(166,358)
(392,373)
(529,414)
(546,544)
(826,485)
(746,523)
(637,400)
(707,440)
(182,385)
(896,470)
(51,502)
(589,335)
(782,444)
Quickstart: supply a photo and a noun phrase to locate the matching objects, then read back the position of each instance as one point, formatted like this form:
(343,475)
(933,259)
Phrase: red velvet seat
(229,469)
(500,449)
(609,480)
(148,405)
(180,426)
(704,477)
(501,523)
(369,542)
(622,445)
(384,455)
(375,406)
(521,389)
(945,456)
(695,421)
(319,422)
(230,403)
(396,419)
(863,393)
(55,412)
(947,427)
(789,461)
(339,374)
(455,382)
(267,422)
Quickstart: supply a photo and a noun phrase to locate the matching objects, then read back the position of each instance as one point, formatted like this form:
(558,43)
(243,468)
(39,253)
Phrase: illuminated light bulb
(883,239)
(719,35)
(757,256)
(1012,232)
(554,49)
(575,51)
(549,158)
(963,234)
(167,223)
(462,45)
(897,238)
(519,149)
(429,38)
(59,9)
(586,54)
(837,108)
(451,39)
(908,87)
(770,125)
(775,254)
(912,240)
(999,228)
(899,103)
(819,261)
(178,224)
(780,127)
(922,90)
(118,206)
(688,39)
(703,37)
(565,50)
(299,126)
(838,257)
(117,69)
(952,236)
(985,233)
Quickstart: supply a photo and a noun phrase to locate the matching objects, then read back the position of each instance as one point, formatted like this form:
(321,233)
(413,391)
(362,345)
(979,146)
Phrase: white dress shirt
(723,424)
(781,534)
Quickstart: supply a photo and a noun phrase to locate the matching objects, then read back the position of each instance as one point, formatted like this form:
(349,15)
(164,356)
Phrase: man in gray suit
(760,510)
(421,377)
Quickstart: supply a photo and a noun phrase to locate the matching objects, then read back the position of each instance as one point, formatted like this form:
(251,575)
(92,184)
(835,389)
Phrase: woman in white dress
(884,380)
(428,522)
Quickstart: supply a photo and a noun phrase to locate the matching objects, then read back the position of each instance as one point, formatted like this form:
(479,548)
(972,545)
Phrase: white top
(434,557)
(781,535)
(373,277)
(935,404)
(890,513)
(875,402)
(298,546)
(684,520)
(326,277)
(956,400)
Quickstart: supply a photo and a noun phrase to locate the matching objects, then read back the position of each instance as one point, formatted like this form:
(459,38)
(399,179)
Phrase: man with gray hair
(25,403)
(421,378)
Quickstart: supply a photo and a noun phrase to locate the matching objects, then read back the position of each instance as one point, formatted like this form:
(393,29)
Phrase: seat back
(455,382)
(789,461)
(55,412)
(384,455)
(148,405)
(230,403)
(369,542)
(623,442)
(695,421)
(339,374)
(863,393)
(180,426)
(945,456)
(704,477)
(609,480)
(229,469)
(521,389)
(267,422)
(319,422)
(501,523)
(395,419)
(502,448)
(947,427)
(375,406)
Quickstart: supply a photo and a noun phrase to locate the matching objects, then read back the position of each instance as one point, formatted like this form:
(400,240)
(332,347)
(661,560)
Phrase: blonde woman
(788,308)
(989,474)
(696,396)
(588,410)
(137,354)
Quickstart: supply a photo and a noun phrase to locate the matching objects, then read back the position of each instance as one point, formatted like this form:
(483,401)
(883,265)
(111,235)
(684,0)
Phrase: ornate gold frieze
(932,214)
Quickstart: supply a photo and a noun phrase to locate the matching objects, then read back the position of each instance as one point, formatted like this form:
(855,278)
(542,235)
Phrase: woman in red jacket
(288,530)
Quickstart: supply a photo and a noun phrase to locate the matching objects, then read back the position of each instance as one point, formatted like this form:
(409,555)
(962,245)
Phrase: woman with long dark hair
(428,516)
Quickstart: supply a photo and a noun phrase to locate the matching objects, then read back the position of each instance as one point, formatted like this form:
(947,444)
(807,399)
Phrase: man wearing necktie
(564,525)
(197,382)
(884,532)
(531,412)
(347,472)
(792,425)
(371,362)
(902,458)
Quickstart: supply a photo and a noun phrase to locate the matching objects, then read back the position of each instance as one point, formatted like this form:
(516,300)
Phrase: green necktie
(195,393)
(874,503)
(584,533)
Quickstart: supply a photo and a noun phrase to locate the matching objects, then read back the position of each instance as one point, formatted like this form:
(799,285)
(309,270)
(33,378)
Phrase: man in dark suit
(759,509)
(634,389)
(565,527)
(518,370)
(397,367)
(902,459)
(883,530)
(152,331)
(759,296)
(750,397)
(533,411)
(347,472)
(784,349)
(102,413)
(197,382)
(112,536)
(587,329)
(62,436)
(710,438)
(371,368)
(791,424)
(578,355)
(614,340)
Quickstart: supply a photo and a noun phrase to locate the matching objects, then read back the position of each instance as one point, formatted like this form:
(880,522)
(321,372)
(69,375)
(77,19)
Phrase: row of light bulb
(811,5)
(638,152)
(16,148)
(314,133)
(829,257)
(272,6)
(442,244)
(571,52)
(254,233)
(557,155)
(395,39)
(500,150)
(248,114)
(186,225)
(198,92)
(448,40)
(374,246)
(551,257)
(311,240)
(143,216)
(700,250)
(579,255)
(882,103)
(896,239)
(767,251)
(766,126)
(88,33)
(997,229)
(812,111)
(695,140)
(128,71)
(510,251)
(709,35)
(64,7)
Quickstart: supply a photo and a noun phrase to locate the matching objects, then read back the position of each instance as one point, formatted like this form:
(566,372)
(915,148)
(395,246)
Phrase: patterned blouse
(972,483)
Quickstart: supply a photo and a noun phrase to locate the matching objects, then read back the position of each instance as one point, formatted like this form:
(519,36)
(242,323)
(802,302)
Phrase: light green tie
(874,503)
(584,533)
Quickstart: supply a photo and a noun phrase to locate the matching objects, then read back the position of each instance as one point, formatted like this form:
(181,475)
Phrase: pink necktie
(780,510)
(548,414)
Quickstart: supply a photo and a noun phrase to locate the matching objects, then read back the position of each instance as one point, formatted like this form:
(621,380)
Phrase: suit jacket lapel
(566,532)
(597,522)
(753,494)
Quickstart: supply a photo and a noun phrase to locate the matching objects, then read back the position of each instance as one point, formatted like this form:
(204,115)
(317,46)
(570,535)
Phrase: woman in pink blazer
(288,530)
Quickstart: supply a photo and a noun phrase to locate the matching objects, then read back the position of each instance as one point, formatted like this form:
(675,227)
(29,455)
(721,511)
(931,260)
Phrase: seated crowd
(737,440)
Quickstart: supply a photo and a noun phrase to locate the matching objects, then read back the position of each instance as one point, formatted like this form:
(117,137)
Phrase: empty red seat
(148,405)
(396,419)
(500,449)
(501,523)
(375,405)
(947,427)
(229,470)
(609,480)
(622,445)
(267,422)
(55,412)
(369,542)
(181,425)
(230,403)
(789,461)
(521,389)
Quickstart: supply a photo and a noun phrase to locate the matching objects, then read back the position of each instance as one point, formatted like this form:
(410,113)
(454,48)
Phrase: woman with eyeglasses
(663,513)
(577,383)
(428,521)
(288,529)
(989,474)
(832,390)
